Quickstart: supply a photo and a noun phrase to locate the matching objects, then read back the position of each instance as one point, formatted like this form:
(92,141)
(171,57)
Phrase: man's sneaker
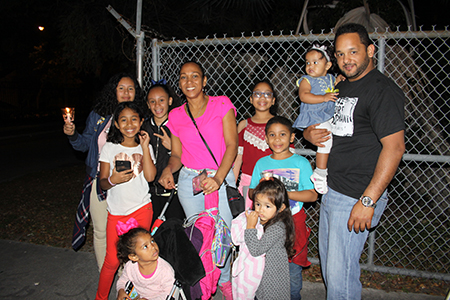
(320,183)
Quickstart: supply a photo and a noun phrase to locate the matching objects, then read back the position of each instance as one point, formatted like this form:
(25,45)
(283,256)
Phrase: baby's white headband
(322,49)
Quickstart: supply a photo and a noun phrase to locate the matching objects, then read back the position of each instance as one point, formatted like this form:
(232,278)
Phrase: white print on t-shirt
(342,122)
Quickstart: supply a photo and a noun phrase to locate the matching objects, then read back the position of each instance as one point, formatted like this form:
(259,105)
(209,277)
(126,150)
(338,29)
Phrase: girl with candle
(121,87)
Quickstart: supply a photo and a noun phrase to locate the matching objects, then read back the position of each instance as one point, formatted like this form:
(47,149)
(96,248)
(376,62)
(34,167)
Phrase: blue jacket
(88,141)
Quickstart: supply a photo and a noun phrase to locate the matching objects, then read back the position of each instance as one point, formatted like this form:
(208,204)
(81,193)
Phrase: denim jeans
(295,272)
(194,204)
(339,249)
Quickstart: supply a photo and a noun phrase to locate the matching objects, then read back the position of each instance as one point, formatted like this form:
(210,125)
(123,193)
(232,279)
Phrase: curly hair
(275,191)
(107,100)
(114,134)
(274,108)
(127,243)
(176,101)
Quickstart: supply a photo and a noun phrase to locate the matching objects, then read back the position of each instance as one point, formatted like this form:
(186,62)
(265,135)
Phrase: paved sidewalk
(36,272)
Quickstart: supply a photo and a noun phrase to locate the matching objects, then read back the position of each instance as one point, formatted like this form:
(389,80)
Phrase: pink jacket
(247,270)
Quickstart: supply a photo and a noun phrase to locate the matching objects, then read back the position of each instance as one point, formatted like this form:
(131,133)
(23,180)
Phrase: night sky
(33,62)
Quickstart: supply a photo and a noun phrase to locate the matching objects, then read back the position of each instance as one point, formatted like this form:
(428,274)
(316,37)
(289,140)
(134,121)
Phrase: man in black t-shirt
(368,144)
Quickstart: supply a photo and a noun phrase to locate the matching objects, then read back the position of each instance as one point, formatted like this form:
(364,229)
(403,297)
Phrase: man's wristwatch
(367,201)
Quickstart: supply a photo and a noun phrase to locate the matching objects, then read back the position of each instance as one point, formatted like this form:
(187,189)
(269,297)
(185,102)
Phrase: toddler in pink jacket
(247,270)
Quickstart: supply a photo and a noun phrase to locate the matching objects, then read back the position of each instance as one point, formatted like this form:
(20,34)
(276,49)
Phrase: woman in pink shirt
(215,117)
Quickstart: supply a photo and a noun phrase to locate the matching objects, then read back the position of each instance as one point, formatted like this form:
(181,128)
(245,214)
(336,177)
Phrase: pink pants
(144,217)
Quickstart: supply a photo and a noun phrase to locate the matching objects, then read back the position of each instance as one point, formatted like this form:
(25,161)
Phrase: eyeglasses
(266,95)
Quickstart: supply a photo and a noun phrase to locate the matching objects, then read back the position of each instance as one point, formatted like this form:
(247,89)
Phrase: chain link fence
(413,235)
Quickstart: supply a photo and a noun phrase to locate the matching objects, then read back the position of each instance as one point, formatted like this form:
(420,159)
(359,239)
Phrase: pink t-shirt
(195,155)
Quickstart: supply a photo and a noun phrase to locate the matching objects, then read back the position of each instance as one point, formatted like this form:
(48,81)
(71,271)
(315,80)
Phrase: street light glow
(41,28)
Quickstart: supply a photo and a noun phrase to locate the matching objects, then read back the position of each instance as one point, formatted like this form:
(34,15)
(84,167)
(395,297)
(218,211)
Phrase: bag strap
(203,139)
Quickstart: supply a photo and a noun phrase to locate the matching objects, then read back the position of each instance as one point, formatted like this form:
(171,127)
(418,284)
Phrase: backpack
(221,245)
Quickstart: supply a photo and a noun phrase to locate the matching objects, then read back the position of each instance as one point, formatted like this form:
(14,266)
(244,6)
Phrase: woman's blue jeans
(194,204)
(340,250)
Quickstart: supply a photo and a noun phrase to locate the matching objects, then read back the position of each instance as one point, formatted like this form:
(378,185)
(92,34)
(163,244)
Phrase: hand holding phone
(123,165)
(197,182)
(121,173)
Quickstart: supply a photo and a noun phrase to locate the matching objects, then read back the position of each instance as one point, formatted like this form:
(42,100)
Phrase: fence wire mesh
(413,235)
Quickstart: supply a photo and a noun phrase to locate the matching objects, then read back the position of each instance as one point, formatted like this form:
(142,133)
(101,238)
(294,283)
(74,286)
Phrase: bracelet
(109,180)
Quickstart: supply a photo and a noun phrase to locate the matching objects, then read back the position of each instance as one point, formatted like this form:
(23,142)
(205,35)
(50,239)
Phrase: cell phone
(123,165)
(197,181)
(131,291)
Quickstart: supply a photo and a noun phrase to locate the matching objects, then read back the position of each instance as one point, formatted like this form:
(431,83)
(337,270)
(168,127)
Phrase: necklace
(201,108)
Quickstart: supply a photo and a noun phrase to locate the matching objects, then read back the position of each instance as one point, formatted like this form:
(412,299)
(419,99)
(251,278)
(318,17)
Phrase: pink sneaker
(226,290)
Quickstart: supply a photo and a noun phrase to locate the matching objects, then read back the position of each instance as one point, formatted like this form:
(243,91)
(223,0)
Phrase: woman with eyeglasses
(252,142)
(215,118)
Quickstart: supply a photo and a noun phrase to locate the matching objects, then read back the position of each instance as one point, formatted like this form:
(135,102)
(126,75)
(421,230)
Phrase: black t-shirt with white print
(366,111)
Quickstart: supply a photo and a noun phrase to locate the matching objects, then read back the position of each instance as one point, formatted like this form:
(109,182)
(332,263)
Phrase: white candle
(68,114)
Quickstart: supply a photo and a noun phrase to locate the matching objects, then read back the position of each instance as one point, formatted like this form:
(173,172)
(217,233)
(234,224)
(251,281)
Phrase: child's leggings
(144,217)
(328,144)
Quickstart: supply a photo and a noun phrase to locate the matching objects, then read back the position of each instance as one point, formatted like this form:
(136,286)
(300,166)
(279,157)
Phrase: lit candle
(68,114)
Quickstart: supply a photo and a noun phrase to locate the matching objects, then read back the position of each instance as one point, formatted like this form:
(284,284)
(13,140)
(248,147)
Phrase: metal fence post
(140,35)
(371,249)
(381,53)
(372,236)
(140,57)
(155,60)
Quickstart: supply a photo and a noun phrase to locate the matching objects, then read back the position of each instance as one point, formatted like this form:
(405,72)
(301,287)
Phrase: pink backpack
(216,244)
(208,221)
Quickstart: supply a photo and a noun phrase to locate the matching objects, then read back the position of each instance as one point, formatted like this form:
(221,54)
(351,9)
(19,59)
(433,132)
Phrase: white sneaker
(320,183)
